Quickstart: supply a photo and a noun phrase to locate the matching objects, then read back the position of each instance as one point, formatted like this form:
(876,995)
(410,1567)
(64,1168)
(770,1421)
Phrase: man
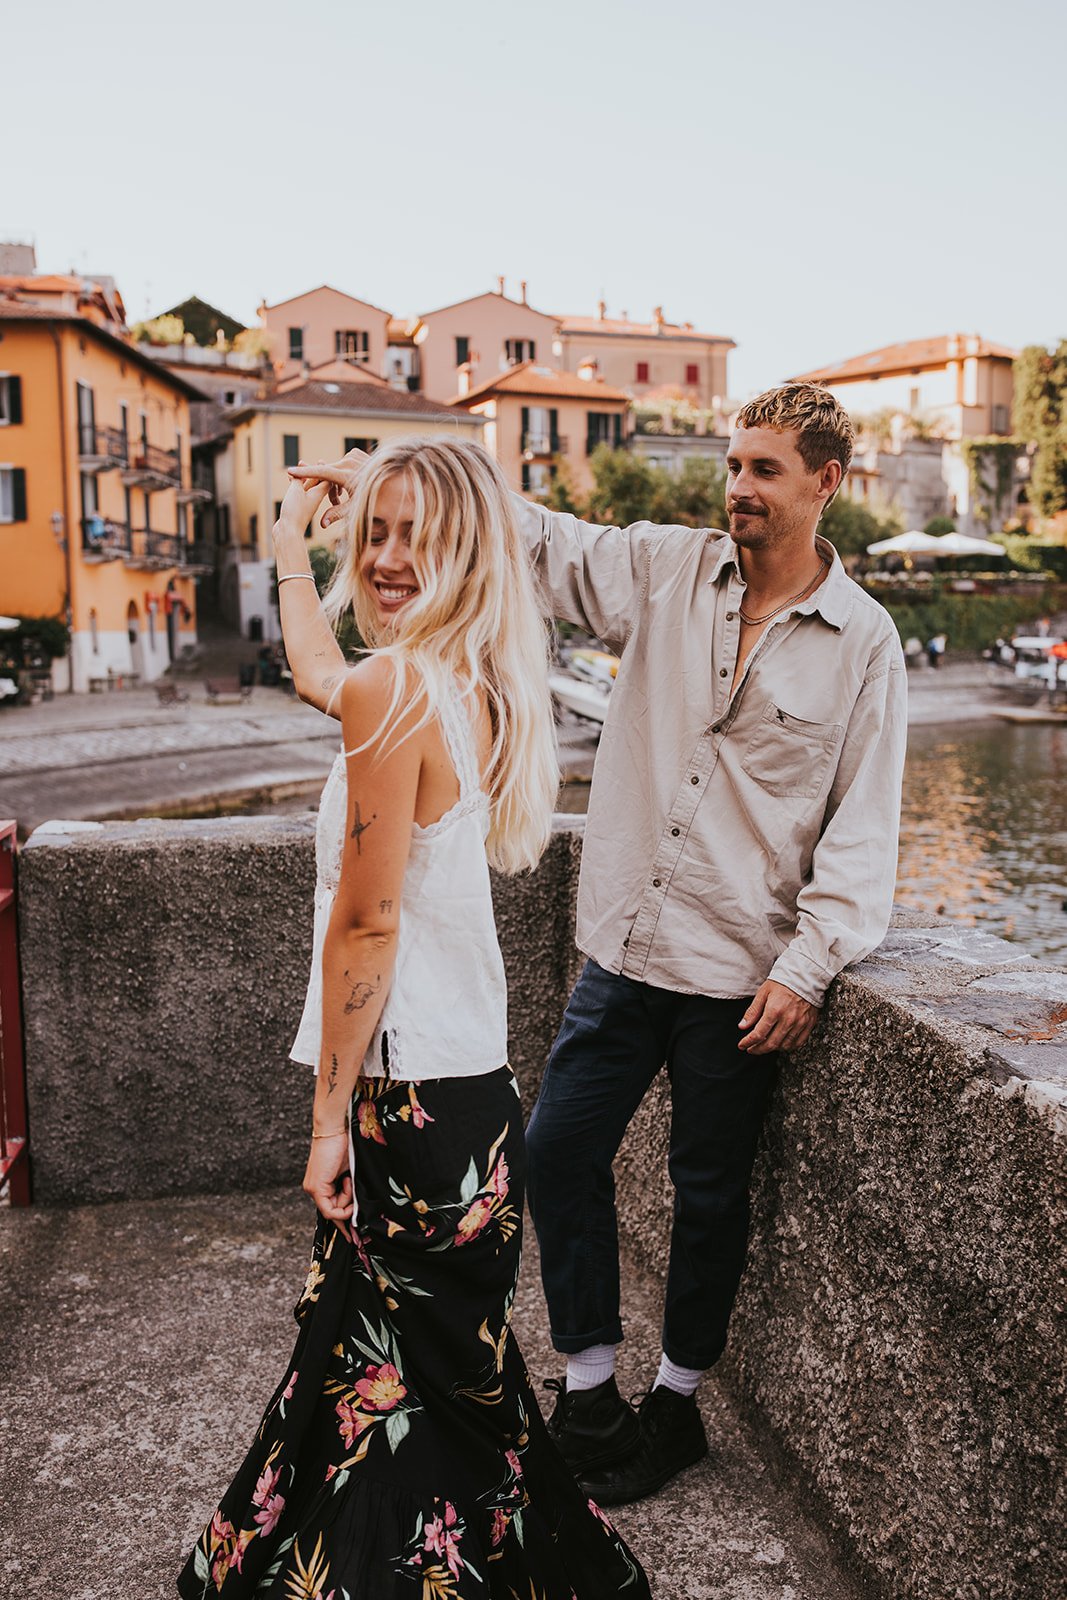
(740,849)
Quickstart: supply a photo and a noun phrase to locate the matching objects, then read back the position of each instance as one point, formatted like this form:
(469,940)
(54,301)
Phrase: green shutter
(18,494)
(14,399)
(291,449)
(618,430)
(525,476)
(525,432)
(553,430)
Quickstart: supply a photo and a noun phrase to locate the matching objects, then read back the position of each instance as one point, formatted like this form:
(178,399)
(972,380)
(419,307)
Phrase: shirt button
(722,672)
(694,779)
(656,882)
(675,832)
(716,727)
(730,615)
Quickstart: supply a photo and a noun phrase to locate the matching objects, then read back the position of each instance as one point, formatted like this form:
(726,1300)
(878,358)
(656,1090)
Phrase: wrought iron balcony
(104,540)
(152,552)
(201,485)
(152,468)
(100,449)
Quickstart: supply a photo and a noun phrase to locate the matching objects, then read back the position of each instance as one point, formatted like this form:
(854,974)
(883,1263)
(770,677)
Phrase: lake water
(984,830)
(983,836)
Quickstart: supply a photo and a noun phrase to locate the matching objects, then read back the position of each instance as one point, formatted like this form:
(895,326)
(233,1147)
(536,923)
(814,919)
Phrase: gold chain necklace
(793,598)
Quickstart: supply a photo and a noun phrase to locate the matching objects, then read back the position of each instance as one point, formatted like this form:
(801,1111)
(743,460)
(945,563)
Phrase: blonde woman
(403,1452)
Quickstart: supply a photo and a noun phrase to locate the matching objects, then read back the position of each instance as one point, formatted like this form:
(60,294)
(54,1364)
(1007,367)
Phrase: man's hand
(338,478)
(777,1019)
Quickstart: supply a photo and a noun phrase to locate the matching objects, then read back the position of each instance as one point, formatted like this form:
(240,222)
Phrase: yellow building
(536,417)
(303,421)
(94,488)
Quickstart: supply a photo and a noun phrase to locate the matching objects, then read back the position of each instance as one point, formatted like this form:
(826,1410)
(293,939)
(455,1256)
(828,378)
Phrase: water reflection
(984,830)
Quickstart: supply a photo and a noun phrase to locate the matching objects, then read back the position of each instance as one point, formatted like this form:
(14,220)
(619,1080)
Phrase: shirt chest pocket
(791,758)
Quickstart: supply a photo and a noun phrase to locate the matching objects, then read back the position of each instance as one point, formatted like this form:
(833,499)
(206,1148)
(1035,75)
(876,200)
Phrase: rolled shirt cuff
(804,976)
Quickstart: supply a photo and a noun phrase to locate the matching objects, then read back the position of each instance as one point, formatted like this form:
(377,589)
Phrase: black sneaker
(672,1437)
(592,1428)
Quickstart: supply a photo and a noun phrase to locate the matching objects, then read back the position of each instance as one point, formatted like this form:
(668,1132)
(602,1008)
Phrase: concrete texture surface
(164,970)
(898,1342)
(143,1340)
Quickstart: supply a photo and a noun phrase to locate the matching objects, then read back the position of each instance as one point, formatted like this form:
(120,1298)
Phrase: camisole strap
(458,728)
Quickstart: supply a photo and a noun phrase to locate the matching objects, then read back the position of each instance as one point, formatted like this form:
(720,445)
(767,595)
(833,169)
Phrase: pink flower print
(266,1485)
(499,1179)
(269,1513)
(290,1386)
(441,1541)
(595,1509)
(382,1388)
(221,1568)
(513,1462)
(369,1126)
(221,1530)
(244,1540)
(419,1117)
(500,1527)
(353,1422)
(471,1225)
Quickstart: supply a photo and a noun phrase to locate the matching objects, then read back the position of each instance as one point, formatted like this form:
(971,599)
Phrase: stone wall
(899,1336)
(164,969)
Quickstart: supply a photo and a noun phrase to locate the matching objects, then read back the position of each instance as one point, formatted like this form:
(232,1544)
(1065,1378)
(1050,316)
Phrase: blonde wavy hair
(476,619)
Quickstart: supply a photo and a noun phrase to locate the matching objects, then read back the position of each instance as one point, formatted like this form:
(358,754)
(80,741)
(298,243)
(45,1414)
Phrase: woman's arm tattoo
(360,994)
(360,827)
(331,1080)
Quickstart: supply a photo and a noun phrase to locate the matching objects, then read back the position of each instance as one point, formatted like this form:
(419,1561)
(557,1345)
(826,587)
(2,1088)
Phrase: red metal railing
(14,1159)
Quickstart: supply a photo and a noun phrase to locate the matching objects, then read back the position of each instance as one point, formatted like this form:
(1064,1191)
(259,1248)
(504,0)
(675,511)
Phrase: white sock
(590,1367)
(683,1380)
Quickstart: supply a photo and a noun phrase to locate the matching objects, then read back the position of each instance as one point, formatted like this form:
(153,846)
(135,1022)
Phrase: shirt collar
(833,599)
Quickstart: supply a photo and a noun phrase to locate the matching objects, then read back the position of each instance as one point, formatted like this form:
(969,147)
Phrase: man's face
(771,497)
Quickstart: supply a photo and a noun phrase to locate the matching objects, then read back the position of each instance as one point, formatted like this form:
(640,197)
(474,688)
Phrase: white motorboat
(582,696)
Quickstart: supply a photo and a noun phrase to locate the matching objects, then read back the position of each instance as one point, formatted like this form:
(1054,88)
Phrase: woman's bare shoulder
(369,695)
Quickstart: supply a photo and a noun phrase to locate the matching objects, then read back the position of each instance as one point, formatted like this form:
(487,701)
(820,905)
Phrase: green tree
(623,486)
(851,527)
(696,498)
(1040,418)
(938,526)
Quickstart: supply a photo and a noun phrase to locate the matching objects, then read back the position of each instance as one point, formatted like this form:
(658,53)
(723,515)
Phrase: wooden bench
(226,690)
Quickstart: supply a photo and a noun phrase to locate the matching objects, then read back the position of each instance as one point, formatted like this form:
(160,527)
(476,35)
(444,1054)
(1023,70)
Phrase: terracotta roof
(43,282)
(350,397)
(489,294)
(336,370)
(912,355)
(638,330)
(317,289)
(529,379)
(18,311)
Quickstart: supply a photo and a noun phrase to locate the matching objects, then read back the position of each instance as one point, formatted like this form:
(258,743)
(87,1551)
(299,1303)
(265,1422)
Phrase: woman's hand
(327,1163)
(302,500)
(335,478)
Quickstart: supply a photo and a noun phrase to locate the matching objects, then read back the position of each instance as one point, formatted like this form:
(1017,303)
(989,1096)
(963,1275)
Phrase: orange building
(95,486)
(536,417)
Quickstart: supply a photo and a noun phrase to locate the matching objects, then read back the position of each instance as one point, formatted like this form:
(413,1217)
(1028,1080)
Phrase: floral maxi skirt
(403,1455)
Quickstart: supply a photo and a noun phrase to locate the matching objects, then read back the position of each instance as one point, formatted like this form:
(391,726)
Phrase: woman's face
(385,565)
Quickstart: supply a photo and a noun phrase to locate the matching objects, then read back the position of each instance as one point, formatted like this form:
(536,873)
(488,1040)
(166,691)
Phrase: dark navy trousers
(616,1035)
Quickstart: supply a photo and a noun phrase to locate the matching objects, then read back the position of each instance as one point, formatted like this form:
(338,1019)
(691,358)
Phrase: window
(296,344)
(602,427)
(128,507)
(692,373)
(86,421)
(537,477)
(642,372)
(463,350)
(248,452)
(540,430)
(290,449)
(352,343)
(12,494)
(516,350)
(10,399)
(253,531)
(1000,419)
(369,445)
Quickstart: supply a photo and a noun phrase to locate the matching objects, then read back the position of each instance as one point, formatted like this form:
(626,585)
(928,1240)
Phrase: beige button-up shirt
(731,837)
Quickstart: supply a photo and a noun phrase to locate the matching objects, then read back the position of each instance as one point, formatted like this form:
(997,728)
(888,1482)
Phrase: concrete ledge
(898,1342)
(164,970)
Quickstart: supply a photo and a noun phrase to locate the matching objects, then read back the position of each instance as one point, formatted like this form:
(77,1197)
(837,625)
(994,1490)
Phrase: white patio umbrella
(913,543)
(7,623)
(960,544)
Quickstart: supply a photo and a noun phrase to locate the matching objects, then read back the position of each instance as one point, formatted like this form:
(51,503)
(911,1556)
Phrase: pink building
(325,326)
(486,334)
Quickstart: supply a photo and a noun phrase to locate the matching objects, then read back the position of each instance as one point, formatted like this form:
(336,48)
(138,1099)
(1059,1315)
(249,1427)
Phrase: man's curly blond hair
(822,425)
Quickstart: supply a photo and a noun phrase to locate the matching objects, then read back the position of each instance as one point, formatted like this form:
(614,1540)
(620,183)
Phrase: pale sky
(812,180)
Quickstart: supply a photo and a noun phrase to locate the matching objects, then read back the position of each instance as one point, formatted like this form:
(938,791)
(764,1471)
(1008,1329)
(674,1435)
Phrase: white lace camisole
(445,1015)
